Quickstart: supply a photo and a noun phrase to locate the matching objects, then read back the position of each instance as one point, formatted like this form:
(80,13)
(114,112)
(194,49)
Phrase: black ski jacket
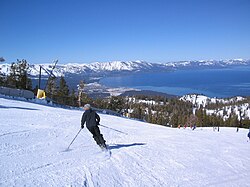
(91,118)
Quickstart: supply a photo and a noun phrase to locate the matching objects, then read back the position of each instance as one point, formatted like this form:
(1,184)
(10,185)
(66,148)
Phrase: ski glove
(82,126)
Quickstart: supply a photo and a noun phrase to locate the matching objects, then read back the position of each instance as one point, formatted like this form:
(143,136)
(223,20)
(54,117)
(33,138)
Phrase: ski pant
(98,137)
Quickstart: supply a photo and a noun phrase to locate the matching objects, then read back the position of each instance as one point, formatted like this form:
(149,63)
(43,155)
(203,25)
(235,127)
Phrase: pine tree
(12,77)
(2,77)
(18,76)
(174,120)
(63,87)
(116,104)
(84,99)
(63,92)
(51,89)
(24,82)
(73,98)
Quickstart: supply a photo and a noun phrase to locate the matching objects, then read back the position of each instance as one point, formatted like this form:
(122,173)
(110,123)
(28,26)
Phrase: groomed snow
(33,139)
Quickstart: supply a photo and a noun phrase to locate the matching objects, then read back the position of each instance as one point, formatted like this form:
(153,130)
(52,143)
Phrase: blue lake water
(224,82)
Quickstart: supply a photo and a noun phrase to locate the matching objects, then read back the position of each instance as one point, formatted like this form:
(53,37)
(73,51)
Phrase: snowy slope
(33,138)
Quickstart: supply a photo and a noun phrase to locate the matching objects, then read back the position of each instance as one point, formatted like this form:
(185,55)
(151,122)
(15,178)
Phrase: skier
(92,120)
(194,127)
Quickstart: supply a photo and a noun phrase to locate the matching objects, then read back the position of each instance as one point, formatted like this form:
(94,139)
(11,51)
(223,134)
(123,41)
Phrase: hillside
(225,107)
(33,139)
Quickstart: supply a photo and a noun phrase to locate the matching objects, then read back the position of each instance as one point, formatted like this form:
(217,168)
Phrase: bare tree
(80,91)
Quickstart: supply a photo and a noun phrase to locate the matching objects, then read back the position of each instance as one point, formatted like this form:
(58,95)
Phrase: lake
(223,82)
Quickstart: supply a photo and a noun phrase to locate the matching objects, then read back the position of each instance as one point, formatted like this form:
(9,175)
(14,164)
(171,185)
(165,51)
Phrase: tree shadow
(118,146)
(15,107)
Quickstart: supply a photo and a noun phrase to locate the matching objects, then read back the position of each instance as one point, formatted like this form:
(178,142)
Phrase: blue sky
(106,30)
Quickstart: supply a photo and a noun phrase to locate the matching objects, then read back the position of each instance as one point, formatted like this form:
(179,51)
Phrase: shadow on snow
(118,146)
(22,108)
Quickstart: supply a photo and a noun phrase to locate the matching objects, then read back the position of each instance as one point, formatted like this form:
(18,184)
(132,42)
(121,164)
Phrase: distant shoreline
(219,82)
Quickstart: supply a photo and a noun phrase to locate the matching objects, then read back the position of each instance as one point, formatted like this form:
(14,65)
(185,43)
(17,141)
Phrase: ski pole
(114,129)
(74,138)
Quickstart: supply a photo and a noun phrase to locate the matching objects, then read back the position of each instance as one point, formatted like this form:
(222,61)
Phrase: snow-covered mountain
(95,68)
(98,68)
(208,63)
(34,138)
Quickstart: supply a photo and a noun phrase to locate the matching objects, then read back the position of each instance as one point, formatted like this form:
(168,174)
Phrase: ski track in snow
(33,143)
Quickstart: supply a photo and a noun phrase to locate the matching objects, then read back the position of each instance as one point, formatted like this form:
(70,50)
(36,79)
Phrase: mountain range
(118,67)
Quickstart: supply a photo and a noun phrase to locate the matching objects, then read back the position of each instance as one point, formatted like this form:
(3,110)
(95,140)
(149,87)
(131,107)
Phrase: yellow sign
(41,94)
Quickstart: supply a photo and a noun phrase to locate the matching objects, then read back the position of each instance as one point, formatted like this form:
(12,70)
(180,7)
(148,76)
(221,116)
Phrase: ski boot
(103,147)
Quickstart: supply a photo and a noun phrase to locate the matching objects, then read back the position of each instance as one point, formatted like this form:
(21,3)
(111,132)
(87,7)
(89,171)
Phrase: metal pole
(50,73)
(74,139)
(114,129)
(39,82)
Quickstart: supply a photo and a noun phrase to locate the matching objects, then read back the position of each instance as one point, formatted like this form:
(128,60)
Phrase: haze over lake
(223,82)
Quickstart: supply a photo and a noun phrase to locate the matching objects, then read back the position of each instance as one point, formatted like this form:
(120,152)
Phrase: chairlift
(41,92)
